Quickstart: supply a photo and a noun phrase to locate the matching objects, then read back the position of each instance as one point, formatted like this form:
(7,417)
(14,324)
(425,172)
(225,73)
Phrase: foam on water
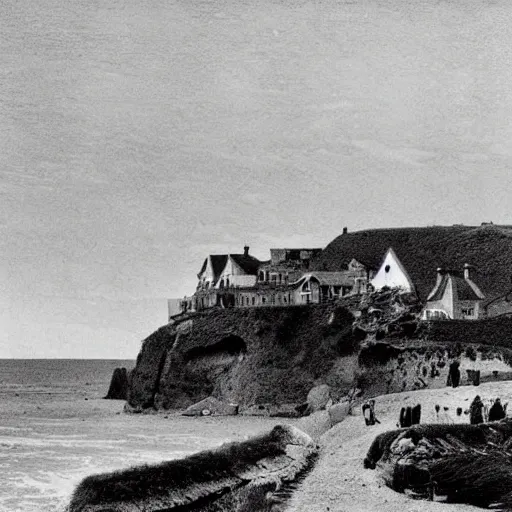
(49,443)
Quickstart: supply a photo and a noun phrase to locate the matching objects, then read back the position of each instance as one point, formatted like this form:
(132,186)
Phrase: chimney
(468,271)
(246,250)
(345,231)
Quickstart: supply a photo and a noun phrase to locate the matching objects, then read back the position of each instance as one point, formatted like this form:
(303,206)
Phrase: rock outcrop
(262,358)
(118,389)
(249,356)
(236,477)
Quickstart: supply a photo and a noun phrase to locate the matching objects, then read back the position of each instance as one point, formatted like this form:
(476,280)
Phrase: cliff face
(249,356)
(276,355)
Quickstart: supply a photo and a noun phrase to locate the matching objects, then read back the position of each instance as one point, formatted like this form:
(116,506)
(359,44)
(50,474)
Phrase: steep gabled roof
(218,262)
(422,250)
(460,286)
(203,268)
(248,263)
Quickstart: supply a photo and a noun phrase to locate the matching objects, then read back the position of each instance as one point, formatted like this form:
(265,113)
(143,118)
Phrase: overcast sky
(137,138)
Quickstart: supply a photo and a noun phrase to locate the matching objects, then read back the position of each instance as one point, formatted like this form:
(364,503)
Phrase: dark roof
(248,263)
(463,288)
(423,250)
(218,264)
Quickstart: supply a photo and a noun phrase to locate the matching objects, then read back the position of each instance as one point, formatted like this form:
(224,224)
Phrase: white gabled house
(392,274)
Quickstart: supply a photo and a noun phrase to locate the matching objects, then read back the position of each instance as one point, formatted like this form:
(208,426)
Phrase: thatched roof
(422,250)
(248,263)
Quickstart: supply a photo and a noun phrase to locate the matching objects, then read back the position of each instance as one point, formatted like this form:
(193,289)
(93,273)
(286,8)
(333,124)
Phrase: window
(253,300)
(227,282)
(273,299)
(284,299)
(468,312)
(263,300)
(261,275)
(387,268)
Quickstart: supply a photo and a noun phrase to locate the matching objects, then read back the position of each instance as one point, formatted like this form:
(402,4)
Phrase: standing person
(475,411)
(402,417)
(496,412)
(366,413)
(373,418)
(416,414)
(454,375)
(437,408)
(408,416)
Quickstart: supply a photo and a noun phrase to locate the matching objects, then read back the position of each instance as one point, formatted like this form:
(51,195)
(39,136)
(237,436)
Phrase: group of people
(409,416)
(480,413)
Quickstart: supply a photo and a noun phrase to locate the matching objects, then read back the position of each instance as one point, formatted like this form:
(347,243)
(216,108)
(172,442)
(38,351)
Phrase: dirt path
(339,483)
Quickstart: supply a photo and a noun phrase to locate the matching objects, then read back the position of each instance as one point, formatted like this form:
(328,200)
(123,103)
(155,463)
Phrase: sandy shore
(339,483)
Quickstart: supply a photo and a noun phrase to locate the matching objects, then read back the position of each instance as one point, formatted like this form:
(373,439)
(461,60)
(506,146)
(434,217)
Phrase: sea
(56,429)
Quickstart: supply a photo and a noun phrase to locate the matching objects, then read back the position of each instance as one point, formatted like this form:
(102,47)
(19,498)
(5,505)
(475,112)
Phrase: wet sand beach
(54,434)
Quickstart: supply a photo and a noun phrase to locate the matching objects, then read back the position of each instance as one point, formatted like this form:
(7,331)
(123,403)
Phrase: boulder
(118,389)
(318,398)
(338,412)
(211,406)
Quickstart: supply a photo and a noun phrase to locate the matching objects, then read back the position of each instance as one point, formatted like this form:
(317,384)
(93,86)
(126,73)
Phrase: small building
(220,275)
(392,274)
(454,296)
(286,265)
(321,287)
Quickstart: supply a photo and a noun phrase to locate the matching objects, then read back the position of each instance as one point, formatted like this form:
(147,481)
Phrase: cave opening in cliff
(230,345)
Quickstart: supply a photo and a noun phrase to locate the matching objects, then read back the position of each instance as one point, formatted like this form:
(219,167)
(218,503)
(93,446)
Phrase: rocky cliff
(249,356)
(275,355)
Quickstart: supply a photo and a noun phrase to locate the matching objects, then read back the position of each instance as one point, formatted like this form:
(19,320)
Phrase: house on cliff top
(454,296)
(221,272)
(392,274)
(421,250)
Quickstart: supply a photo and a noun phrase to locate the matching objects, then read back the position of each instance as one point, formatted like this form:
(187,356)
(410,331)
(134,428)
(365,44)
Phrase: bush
(471,353)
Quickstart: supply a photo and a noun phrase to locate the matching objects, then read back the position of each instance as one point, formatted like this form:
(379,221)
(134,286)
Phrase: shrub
(471,353)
